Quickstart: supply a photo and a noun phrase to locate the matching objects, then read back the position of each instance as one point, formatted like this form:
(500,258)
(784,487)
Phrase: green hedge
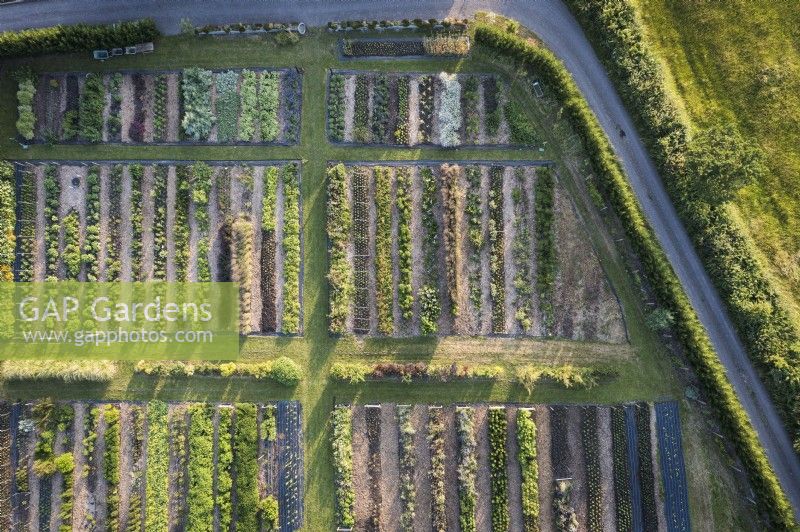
(75,38)
(764,326)
(8,219)
(688,328)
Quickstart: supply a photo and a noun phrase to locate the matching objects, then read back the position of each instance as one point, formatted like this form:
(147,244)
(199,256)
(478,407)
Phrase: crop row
(498,463)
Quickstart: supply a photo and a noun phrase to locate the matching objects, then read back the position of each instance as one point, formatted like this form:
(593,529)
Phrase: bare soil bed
(585,306)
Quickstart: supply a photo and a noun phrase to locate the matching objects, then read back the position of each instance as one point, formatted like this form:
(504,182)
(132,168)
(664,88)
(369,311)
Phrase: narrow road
(554,24)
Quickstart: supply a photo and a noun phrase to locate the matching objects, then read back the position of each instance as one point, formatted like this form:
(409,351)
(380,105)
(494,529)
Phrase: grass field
(740,61)
(646,372)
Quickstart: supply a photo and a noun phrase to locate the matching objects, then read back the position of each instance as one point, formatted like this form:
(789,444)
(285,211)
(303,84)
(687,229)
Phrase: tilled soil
(363,501)
(173,107)
(127,107)
(80,484)
(510,233)
(659,491)
(255,213)
(585,307)
(390,469)
(577,465)
(545,469)
(126,228)
(422,508)
(514,472)
(606,468)
(483,480)
(350,106)
(451,469)
(413,111)
(148,216)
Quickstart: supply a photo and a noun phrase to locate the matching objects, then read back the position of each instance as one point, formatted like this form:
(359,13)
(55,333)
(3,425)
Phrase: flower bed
(529,468)
(341,424)
(340,274)
(291,249)
(250,106)
(467,467)
(622,488)
(383,249)
(436,473)
(449,108)
(408,462)
(157,485)
(498,426)
(354,372)
(591,456)
(496,243)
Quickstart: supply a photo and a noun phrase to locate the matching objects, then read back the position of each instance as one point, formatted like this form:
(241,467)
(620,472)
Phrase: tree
(720,162)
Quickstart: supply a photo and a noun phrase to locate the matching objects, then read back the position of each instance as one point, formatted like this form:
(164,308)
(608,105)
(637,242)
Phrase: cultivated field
(251,106)
(412,109)
(154,466)
(462,249)
(512,467)
(171,221)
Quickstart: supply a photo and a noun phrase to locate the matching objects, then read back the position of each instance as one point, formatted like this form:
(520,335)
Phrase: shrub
(75,38)
(497,249)
(545,243)
(568,376)
(227,104)
(340,274)
(197,117)
(26,119)
(336,107)
(286,371)
(66,371)
(446,45)
(520,127)
(436,474)
(405,295)
(248,93)
(268,509)
(111,464)
(223,497)
(71,254)
(449,113)
(282,369)
(566,518)
(93,103)
(245,452)
(291,249)
(361,130)
(467,467)
(8,220)
(341,439)
(268,96)
(356,372)
(157,485)
(498,463)
(201,469)
(529,467)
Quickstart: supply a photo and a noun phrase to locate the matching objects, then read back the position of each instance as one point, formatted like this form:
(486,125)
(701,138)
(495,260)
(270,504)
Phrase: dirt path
(577,465)
(413,110)
(485,321)
(57,480)
(98,501)
(659,489)
(514,472)
(126,465)
(452,507)
(126,227)
(606,468)
(422,507)
(363,503)
(545,469)
(149,106)
(510,233)
(537,327)
(349,107)
(173,107)
(127,107)
(80,485)
(148,217)
(255,213)
(390,469)
(483,480)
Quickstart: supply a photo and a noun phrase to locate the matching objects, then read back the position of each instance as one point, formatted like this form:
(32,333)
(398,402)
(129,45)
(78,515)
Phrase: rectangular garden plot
(409,109)
(483,467)
(174,221)
(193,106)
(155,466)
(462,249)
